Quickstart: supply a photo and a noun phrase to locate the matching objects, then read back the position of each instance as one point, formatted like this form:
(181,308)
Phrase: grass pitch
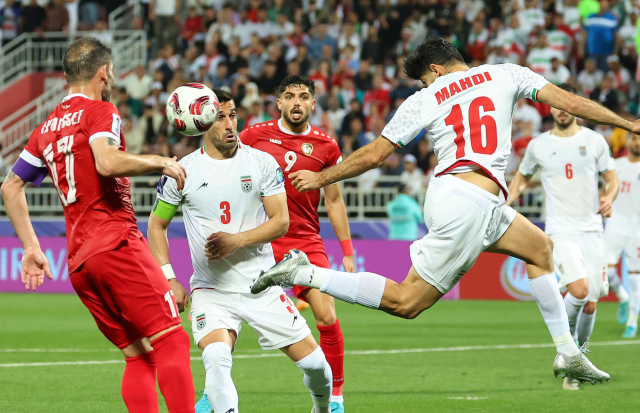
(54,359)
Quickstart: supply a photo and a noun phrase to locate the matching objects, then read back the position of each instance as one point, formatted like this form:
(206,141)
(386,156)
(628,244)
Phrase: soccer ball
(192,109)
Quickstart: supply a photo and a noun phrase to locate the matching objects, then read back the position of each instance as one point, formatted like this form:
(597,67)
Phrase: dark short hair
(297,80)
(569,88)
(434,50)
(84,58)
(223,95)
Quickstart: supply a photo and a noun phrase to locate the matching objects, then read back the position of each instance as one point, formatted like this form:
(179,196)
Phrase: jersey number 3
(476,122)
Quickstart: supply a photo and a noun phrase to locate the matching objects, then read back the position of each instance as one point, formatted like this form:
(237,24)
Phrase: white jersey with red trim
(625,219)
(467,115)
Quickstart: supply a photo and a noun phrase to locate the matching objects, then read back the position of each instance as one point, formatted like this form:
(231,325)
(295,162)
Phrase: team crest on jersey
(307,148)
(279,176)
(583,150)
(245,182)
(201,321)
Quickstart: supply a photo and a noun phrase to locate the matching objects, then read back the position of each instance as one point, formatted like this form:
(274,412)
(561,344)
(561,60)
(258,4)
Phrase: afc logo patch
(245,183)
(201,321)
(279,176)
(160,184)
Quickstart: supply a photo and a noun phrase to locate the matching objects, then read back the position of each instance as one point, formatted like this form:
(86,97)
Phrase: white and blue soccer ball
(192,109)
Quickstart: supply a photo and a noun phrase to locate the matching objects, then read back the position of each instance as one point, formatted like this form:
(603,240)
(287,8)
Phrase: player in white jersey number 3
(570,158)
(467,114)
(234,204)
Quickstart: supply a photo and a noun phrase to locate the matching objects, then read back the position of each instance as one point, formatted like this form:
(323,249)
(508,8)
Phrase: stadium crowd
(353,50)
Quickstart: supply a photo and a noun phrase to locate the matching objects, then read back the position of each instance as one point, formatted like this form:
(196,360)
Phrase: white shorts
(616,244)
(581,255)
(463,220)
(271,314)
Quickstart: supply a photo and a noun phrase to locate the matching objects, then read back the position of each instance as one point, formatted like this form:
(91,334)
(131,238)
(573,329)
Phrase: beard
(565,124)
(634,151)
(303,119)
(106,90)
(223,146)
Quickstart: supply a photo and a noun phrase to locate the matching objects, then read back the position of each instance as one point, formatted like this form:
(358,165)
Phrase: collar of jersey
(75,95)
(565,137)
(288,132)
(221,161)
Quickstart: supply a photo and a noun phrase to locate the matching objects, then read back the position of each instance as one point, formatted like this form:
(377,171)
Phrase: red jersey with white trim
(311,150)
(467,115)
(98,210)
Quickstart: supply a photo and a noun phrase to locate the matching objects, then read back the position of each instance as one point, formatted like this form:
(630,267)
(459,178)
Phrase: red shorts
(126,292)
(315,252)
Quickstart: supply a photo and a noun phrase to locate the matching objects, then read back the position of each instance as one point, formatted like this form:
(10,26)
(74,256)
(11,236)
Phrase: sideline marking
(269,355)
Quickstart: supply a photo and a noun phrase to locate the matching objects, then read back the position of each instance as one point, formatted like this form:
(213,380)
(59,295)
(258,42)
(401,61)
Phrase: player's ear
(313,104)
(102,72)
(279,104)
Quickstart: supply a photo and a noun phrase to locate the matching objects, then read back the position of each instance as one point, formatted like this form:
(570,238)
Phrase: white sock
(318,379)
(634,300)
(573,306)
(337,399)
(544,290)
(615,284)
(364,288)
(585,326)
(219,386)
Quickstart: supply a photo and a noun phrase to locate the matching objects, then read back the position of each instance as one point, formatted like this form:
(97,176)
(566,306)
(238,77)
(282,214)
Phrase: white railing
(31,52)
(122,17)
(361,204)
(16,128)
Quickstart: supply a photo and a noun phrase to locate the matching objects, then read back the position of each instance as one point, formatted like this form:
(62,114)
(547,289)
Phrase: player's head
(432,59)
(88,60)
(633,144)
(562,118)
(296,100)
(223,135)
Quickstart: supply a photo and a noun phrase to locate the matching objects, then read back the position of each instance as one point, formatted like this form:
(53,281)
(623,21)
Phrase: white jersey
(569,169)
(625,219)
(467,115)
(225,195)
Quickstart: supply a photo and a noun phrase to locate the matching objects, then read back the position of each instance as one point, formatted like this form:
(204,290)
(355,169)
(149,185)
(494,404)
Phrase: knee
(326,319)
(546,252)
(580,293)
(590,307)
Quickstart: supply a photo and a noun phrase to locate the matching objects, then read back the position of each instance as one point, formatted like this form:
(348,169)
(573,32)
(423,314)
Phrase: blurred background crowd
(353,50)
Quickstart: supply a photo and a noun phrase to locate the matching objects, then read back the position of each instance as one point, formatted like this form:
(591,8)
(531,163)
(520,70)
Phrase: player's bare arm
(337,212)
(517,187)
(34,263)
(368,157)
(222,244)
(112,162)
(584,108)
(159,246)
(611,187)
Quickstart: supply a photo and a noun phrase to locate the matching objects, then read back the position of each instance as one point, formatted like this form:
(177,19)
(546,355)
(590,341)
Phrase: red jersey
(311,150)
(98,211)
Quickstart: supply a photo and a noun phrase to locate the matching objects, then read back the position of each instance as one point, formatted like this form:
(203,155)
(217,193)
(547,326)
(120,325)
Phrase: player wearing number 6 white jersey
(570,159)
(467,114)
(234,204)
(622,235)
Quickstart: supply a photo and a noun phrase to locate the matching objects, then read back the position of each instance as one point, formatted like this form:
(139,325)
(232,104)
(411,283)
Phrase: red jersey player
(296,145)
(82,148)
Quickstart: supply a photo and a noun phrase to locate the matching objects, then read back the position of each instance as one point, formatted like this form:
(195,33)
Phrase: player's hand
(305,181)
(172,168)
(605,207)
(349,263)
(220,245)
(34,266)
(181,295)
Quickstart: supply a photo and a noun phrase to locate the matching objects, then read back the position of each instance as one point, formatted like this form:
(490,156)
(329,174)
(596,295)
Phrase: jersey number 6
(475,127)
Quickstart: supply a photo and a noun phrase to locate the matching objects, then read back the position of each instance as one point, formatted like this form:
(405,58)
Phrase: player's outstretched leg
(309,357)
(634,306)
(615,284)
(174,369)
(139,379)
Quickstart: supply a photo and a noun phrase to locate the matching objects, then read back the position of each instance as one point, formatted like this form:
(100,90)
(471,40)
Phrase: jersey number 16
(476,122)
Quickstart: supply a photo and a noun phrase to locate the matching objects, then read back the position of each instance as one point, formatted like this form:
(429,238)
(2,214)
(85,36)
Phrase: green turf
(496,380)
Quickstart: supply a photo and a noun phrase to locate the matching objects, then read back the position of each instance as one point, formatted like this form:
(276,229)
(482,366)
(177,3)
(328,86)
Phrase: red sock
(332,343)
(139,384)
(174,370)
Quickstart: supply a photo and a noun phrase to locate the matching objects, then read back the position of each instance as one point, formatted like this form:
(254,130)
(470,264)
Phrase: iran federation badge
(583,150)
(201,321)
(245,181)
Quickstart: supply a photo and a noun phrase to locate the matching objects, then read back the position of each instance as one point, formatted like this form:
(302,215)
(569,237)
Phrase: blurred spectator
(269,81)
(321,77)
(539,58)
(600,34)
(477,38)
(102,33)
(209,59)
(72,9)
(165,15)
(405,215)
(33,17)
(356,130)
(279,8)
(606,94)
(590,77)
(336,114)
(222,78)
(134,134)
(391,167)
(421,152)
(158,98)
(256,114)
(372,49)
(320,39)
(57,17)
(560,37)
(363,79)
(524,114)
(412,176)
(177,80)
(558,73)
(251,96)
(138,83)
(620,76)
(89,12)
(10,20)
(355,111)
(263,27)
(282,26)
(192,26)
(224,26)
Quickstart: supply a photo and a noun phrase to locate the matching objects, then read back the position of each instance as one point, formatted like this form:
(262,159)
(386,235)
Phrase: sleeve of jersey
(407,122)
(272,178)
(526,82)
(104,123)
(247,136)
(528,166)
(335,157)
(29,166)
(168,198)
(606,162)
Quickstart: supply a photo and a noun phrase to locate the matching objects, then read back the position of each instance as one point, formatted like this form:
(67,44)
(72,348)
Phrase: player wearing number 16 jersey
(467,114)
(82,148)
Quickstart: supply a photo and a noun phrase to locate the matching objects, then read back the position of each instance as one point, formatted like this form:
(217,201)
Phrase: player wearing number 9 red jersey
(296,145)
(467,114)
(82,148)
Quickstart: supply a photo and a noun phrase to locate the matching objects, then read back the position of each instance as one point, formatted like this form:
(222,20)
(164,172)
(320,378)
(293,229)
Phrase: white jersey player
(570,159)
(467,113)
(622,235)
(234,204)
